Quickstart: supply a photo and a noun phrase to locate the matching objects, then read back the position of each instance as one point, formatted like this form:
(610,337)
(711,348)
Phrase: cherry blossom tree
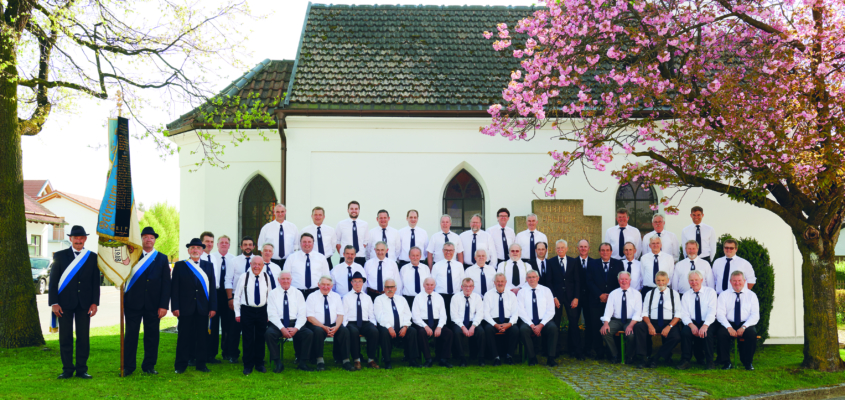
(741,97)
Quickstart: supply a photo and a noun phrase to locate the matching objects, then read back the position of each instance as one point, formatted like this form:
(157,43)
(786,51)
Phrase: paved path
(108,313)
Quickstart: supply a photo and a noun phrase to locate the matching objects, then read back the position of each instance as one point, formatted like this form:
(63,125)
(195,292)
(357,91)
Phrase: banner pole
(121,328)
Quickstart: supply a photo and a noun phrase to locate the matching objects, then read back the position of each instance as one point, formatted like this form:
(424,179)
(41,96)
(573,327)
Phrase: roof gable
(35,212)
(36,188)
(86,202)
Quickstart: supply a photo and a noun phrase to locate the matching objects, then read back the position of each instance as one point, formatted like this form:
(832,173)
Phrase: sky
(70,150)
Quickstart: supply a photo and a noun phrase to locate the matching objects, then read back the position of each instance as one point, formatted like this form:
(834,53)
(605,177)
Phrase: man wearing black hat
(360,320)
(147,298)
(74,296)
(193,300)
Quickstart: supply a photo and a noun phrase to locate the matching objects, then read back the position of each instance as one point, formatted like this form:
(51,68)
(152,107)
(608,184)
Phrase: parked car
(41,273)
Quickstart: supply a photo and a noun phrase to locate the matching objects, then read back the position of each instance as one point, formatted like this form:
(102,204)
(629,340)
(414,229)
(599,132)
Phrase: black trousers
(410,341)
(410,300)
(747,346)
(572,332)
(548,334)
(279,262)
(511,338)
(475,342)
(233,339)
(447,299)
(331,264)
(669,342)
(369,331)
(83,344)
(253,326)
(593,326)
(191,341)
(373,293)
(301,342)
(361,260)
(151,338)
(221,326)
(307,292)
(341,342)
(401,263)
(585,312)
(532,264)
(701,347)
(443,344)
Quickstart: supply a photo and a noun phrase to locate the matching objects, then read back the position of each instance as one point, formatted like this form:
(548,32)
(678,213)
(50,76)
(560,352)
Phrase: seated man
(394,322)
(467,311)
(536,310)
(359,320)
(324,309)
(500,317)
(622,313)
(286,313)
(429,315)
(698,312)
(659,307)
(251,292)
(738,312)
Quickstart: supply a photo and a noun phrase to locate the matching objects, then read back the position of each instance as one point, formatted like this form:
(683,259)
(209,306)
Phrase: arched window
(638,200)
(256,209)
(463,198)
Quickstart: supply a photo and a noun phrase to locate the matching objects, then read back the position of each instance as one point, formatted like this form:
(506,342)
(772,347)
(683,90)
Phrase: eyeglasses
(730,248)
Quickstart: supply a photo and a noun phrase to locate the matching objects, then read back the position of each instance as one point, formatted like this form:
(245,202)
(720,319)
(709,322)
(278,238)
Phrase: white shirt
(491,306)
(458,306)
(247,298)
(440,274)
(708,239)
(389,270)
(483,241)
(296,307)
(350,305)
(436,242)
(409,279)
(375,235)
(523,239)
(636,273)
(419,312)
(630,233)
(344,232)
(270,234)
(545,304)
(737,264)
(707,301)
(474,272)
(749,311)
(296,266)
(420,240)
(506,267)
(680,278)
(664,263)
(314,306)
(384,311)
(327,235)
(240,265)
(651,313)
(633,305)
(668,241)
(341,274)
(217,260)
(496,236)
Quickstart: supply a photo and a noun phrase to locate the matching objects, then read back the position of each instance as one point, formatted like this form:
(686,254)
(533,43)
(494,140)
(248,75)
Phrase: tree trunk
(821,341)
(19,325)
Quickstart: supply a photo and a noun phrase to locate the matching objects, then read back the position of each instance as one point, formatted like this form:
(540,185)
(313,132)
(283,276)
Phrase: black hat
(77,230)
(357,275)
(195,242)
(149,231)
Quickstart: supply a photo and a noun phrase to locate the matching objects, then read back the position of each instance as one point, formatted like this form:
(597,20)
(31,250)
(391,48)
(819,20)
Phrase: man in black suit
(74,296)
(147,298)
(193,301)
(601,280)
(564,273)
(583,261)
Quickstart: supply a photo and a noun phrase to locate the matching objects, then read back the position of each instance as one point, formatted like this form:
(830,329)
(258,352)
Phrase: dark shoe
(180,371)
(643,361)
(262,369)
(247,371)
(412,364)
(509,360)
(372,364)
(279,367)
(710,365)
(213,361)
(203,369)
(126,373)
(463,363)
(651,363)
(497,362)
(388,365)
(727,366)
(356,365)
(83,375)
(551,362)
(192,363)
(428,363)
(683,365)
(749,367)
(348,366)
(532,361)
(481,362)
(151,371)
(304,367)
(444,363)
(65,375)
(321,366)
(580,357)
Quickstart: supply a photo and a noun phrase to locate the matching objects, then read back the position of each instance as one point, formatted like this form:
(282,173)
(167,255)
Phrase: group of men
(491,289)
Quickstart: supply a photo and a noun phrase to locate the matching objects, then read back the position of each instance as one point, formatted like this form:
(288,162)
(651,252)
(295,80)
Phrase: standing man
(386,234)
(661,314)
(481,273)
(379,269)
(347,268)
(325,238)
(536,310)
(193,301)
(669,240)
(475,239)
(564,273)
(74,297)
(691,263)
(501,235)
(623,313)
(723,267)
(221,324)
(623,233)
(654,262)
(602,278)
(240,266)
(281,234)
(738,312)
(447,275)
(702,233)
(207,238)
(272,269)
(698,314)
(541,248)
(286,313)
(251,293)
(529,238)
(437,240)
(583,261)
(632,266)
(514,268)
(147,298)
(411,236)
(353,232)
(394,322)
(359,319)
(413,275)
(467,314)
(501,313)
(430,316)
(306,266)
(325,319)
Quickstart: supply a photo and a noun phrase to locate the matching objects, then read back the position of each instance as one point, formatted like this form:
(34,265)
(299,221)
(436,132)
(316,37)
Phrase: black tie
(286,312)
(449,277)
(416,279)
(413,238)
(698,237)
(257,293)
(738,309)
(76,254)
(467,323)
(656,270)
(395,316)
(535,314)
(697,309)
(308,271)
(543,268)
(621,241)
(562,265)
(726,274)
(320,241)
(660,311)
(349,277)
(430,321)
(629,267)
(281,241)
(355,237)
(515,275)
(222,270)
(532,248)
(358,310)
(504,245)
(327,317)
(501,318)
(246,268)
(473,248)
(378,278)
(270,272)
(384,239)
(661,242)
(583,263)
(624,308)
(692,265)
(605,272)
(483,282)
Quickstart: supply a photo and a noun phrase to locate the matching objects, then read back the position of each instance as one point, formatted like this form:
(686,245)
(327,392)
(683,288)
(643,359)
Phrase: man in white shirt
(325,239)
(514,268)
(738,312)
(528,239)
(430,316)
(654,262)
(475,239)
(466,316)
(481,273)
(221,324)
(251,292)
(669,240)
(287,316)
(281,234)
(270,267)
(353,232)
(501,235)
(536,311)
(307,266)
(233,272)
(623,233)
(379,269)
(702,233)
(437,240)
(342,274)
(359,319)
(394,322)
(413,275)
(698,315)
(383,233)
(622,313)
(325,311)
(411,236)
(447,275)
(501,313)
(723,267)
(662,311)
(633,266)
(691,263)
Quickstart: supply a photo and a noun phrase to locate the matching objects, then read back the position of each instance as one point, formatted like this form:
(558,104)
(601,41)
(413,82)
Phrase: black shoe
(445,363)
(304,367)
(749,367)
(428,363)
(262,369)
(463,363)
(551,362)
(203,369)
(65,375)
(580,357)
(213,361)
(481,362)
(532,361)
(192,363)
(651,363)
(279,367)
(414,364)
(348,366)
(497,362)
(126,373)
(643,361)
(247,371)
(180,371)
(150,371)
(509,360)
(388,365)
(710,365)
(321,366)
(727,366)
(83,375)
(683,365)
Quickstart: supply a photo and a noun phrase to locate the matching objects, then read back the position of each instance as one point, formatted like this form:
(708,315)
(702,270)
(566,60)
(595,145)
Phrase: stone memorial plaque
(564,219)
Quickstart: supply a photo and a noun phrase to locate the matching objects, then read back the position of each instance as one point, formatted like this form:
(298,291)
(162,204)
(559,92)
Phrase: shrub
(840,304)
(840,272)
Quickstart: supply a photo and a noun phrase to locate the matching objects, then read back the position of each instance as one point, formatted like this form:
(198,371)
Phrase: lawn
(31,373)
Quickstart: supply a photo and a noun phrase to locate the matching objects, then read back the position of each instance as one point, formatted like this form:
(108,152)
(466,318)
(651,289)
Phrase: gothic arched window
(638,201)
(462,199)
(256,209)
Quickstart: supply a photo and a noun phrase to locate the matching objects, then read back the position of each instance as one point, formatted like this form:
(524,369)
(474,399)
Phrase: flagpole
(121,328)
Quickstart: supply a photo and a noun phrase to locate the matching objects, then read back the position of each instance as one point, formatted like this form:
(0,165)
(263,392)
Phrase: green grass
(31,373)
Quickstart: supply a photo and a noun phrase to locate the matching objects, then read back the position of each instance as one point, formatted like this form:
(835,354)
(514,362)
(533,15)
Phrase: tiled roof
(86,201)
(33,187)
(35,212)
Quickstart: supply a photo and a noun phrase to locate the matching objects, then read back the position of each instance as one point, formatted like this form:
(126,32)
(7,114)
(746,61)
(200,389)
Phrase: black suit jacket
(151,290)
(545,280)
(565,286)
(186,292)
(598,283)
(583,278)
(83,290)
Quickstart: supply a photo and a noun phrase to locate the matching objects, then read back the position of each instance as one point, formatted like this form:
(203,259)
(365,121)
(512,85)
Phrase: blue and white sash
(67,277)
(200,274)
(139,269)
